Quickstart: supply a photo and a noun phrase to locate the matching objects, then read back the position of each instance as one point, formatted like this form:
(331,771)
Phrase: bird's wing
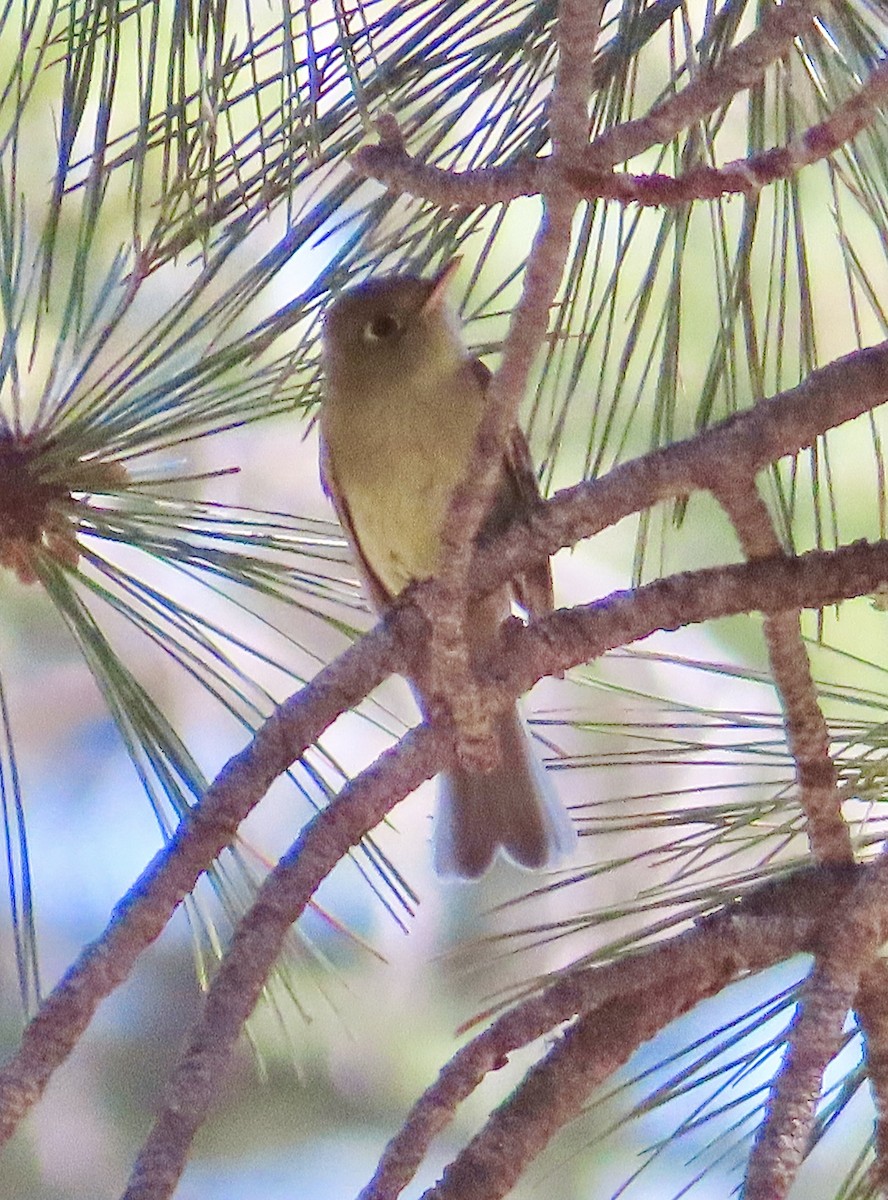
(517,499)
(379,596)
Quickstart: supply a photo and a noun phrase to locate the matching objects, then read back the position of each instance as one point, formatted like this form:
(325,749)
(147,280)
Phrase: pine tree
(673,221)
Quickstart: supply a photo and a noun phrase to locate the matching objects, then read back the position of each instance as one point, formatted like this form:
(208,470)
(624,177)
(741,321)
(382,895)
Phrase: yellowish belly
(397,518)
(396,464)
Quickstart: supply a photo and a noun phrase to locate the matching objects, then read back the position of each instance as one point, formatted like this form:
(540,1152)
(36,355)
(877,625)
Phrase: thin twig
(576,36)
(736,70)
(554,1091)
(745,176)
(807,736)
(453,677)
(480,187)
(569,637)
(813,1041)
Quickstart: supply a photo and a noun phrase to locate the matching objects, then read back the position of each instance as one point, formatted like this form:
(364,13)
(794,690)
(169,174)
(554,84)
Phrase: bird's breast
(396,468)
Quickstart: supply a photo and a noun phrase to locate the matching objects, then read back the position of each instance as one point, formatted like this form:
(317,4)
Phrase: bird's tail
(513,808)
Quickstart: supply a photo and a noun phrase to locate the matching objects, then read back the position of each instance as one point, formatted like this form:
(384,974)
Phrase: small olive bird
(402,403)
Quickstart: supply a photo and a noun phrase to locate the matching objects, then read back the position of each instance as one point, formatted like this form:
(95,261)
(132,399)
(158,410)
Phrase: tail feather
(513,808)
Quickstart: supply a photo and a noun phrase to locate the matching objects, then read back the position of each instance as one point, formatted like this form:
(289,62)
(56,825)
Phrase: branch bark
(452,679)
(850,943)
(806,731)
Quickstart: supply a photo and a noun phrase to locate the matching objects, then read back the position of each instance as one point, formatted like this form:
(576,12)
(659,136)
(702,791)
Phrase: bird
(403,397)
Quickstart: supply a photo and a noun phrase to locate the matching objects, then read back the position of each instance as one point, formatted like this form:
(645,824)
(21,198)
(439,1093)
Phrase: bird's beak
(441,284)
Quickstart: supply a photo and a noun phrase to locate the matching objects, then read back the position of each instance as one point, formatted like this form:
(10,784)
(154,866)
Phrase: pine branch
(209,827)
(806,730)
(546,646)
(590,174)
(256,946)
(216,184)
(768,925)
(712,88)
(745,443)
(451,677)
(549,646)
(849,949)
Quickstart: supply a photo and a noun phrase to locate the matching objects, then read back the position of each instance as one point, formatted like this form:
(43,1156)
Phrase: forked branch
(620,1004)
(780,426)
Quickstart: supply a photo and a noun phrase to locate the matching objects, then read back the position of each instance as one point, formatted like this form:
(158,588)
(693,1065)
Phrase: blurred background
(167,248)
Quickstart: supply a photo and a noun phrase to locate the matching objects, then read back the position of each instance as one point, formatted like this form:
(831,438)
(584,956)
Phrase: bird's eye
(383,326)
